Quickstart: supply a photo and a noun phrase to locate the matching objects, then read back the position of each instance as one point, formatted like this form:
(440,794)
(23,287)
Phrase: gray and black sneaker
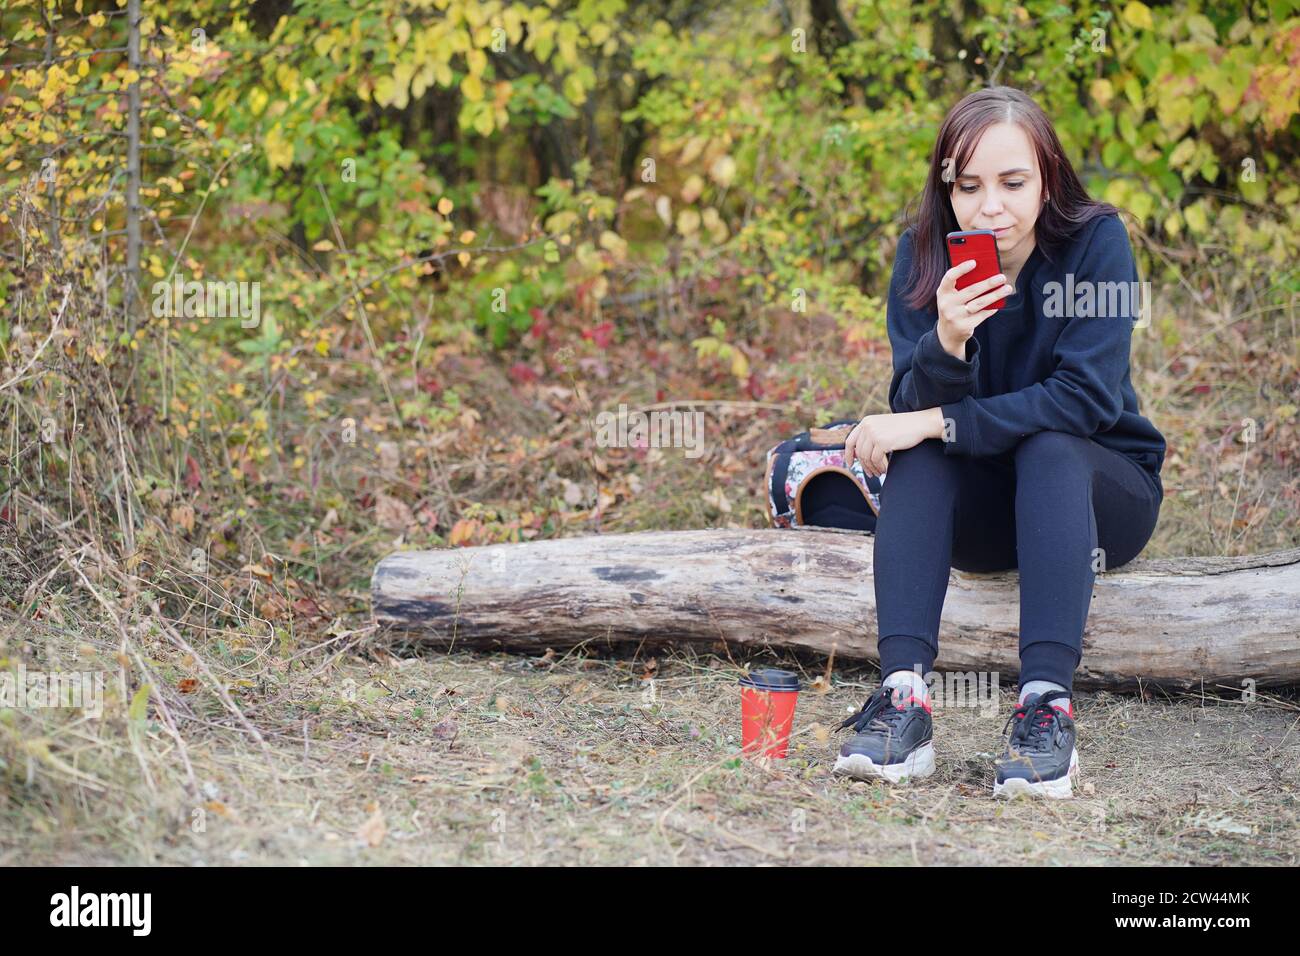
(894,739)
(1040,758)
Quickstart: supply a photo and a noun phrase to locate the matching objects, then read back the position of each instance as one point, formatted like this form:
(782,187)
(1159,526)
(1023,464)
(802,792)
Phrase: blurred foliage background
(475,225)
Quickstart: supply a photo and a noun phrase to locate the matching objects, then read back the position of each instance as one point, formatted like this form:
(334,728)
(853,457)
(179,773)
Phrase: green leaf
(138,710)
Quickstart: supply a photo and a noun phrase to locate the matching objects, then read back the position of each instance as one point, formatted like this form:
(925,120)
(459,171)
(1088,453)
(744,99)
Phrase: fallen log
(1175,623)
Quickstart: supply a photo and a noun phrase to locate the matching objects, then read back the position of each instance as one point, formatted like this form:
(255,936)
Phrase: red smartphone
(982,246)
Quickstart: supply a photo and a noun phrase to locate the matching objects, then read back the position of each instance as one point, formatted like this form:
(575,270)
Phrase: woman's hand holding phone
(962,310)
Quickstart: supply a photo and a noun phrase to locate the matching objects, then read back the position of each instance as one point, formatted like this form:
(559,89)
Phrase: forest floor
(479,758)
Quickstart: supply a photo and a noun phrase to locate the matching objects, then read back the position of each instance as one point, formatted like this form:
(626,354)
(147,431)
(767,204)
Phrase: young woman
(1014,438)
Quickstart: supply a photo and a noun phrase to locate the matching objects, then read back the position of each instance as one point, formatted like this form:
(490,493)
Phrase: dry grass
(480,759)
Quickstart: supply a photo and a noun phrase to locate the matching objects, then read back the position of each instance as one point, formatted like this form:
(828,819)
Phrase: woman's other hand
(876,435)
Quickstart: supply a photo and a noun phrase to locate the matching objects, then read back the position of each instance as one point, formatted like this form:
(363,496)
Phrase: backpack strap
(780,456)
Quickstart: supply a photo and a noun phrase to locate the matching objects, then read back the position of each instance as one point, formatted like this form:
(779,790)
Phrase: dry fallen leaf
(373,831)
(820,685)
(392,512)
(331,517)
(183,517)
(257,571)
(462,531)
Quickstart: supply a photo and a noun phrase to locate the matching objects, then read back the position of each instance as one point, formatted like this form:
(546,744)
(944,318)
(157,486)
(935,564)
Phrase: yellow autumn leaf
(513,23)
(723,171)
(287,77)
(739,364)
(472,88)
(1102,91)
(561,221)
(279,151)
(614,244)
(422,81)
(574,91)
(402,85)
(445,206)
(692,188)
(1138,14)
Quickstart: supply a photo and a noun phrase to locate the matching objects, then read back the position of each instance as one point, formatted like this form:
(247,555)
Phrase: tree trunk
(1174,622)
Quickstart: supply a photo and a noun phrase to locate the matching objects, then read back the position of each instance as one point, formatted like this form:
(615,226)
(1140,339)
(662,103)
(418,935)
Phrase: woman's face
(1001,189)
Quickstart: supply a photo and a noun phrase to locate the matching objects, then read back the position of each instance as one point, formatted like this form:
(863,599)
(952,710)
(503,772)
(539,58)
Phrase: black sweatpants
(1043,507)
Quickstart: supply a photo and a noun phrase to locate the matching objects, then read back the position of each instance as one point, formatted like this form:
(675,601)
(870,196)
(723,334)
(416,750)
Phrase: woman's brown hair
(1068,206)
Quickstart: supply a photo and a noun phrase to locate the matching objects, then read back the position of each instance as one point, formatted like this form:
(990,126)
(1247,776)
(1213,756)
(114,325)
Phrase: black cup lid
(770,678)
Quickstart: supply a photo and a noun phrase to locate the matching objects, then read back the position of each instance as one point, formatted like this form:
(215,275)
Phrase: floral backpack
(808,485)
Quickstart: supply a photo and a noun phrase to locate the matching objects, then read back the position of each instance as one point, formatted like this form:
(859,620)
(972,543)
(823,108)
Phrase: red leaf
(523,372)
(192,477)
(429,385)
(541,324)
(601,334)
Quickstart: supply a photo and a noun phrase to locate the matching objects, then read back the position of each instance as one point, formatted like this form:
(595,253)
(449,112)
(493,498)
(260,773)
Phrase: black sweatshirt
(1025,370)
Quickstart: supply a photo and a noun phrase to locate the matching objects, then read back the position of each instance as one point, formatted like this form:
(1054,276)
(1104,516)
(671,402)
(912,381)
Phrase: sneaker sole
(919,763)
(1061,788)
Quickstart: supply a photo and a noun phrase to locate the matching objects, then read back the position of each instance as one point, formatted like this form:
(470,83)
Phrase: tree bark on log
(1174,623)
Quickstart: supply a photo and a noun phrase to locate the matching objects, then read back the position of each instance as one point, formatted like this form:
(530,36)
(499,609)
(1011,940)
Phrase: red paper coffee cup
(767,699)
